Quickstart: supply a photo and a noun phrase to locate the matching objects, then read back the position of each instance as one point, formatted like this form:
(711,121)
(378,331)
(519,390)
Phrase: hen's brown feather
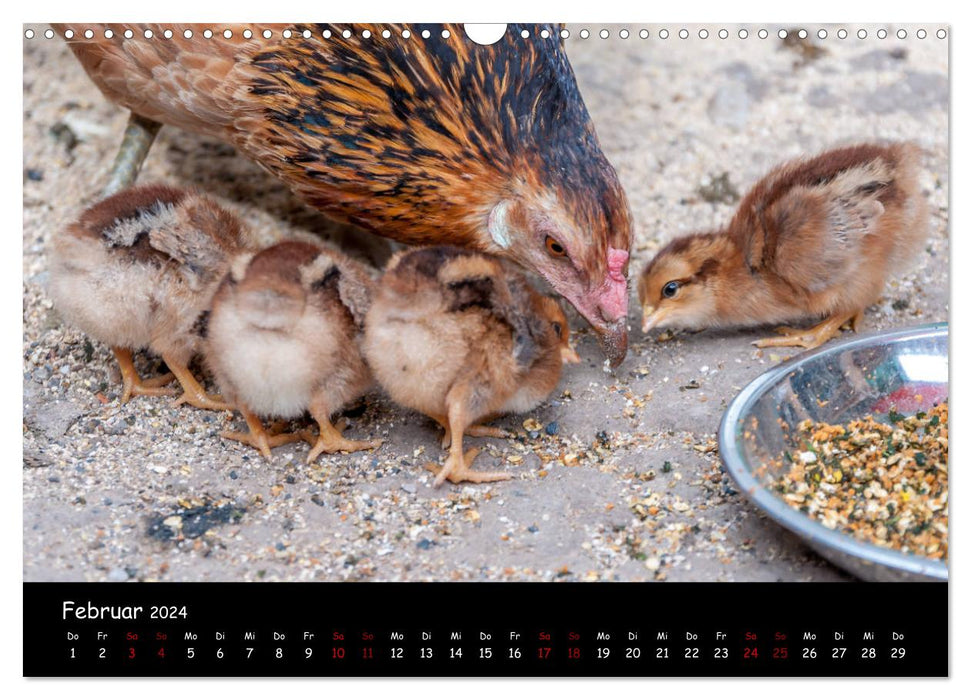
(397,136)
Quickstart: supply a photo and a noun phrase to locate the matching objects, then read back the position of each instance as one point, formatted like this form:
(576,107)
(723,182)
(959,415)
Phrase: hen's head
(559,208)
(583,258)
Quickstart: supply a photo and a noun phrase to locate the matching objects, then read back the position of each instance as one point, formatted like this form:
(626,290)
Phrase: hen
(425,140)
(814,238)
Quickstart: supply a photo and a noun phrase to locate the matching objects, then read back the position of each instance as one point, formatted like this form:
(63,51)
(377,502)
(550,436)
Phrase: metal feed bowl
(869,374)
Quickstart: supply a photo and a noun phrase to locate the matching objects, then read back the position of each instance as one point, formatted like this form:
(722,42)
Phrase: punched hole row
(525,34)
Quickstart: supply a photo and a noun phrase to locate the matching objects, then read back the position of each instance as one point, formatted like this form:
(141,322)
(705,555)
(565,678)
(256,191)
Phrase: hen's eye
(670,289)
(557,328)
(555,247)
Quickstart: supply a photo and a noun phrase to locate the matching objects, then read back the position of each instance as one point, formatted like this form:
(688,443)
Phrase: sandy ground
(146,491)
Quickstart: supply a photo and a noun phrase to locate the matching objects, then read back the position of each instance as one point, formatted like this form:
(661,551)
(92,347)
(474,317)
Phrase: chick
(462,337)
(283,338)
(137,270)
(815,238)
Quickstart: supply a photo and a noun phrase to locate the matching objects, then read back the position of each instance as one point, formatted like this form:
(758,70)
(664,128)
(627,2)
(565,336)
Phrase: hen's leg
(139,135)
(457,466)
(194,393)
(330,439)
(258,437)
(133,385)
(812,337)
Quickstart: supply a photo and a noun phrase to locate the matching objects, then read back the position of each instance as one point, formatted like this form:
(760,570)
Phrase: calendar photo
(597,304)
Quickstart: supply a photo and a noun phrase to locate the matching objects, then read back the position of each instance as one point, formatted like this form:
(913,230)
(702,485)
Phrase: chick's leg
(330,439)
(194,393)
(815,336)
(139,135)
(447,437)
(457,467)
(471,431)
(258,437)
(490,431)
(133,385)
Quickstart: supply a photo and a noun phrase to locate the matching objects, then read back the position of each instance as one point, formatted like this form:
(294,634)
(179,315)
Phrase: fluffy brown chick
(138,270)
(283,338)
(462,337)
(815,238)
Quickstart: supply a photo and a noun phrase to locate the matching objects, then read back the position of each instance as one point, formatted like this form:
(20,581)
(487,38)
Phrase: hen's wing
(193,83)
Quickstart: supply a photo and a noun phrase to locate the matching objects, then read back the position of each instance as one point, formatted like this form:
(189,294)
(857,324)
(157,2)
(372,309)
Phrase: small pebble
(552,428)
(116,426)
(118,575)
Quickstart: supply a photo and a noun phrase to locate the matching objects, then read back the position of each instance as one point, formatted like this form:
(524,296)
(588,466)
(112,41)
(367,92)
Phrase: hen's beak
(652,317)
(605,307)
(612,307)
(569,355)
(613,339)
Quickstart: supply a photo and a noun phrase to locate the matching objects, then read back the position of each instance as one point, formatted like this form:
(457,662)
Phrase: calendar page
(485,350)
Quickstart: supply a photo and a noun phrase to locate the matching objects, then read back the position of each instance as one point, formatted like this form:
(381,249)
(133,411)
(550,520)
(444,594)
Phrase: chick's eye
(555,247)
(670,289)
(557,328)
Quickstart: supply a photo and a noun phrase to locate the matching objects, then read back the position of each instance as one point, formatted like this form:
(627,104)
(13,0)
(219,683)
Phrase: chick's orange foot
(134,385)
(487,431)
(259,437)
(812,337)
(457,468)
(194,393)
(330,440)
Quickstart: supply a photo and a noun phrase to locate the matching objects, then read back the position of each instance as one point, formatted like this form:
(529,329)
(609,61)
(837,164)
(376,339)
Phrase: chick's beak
(652,317)
(569,355)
